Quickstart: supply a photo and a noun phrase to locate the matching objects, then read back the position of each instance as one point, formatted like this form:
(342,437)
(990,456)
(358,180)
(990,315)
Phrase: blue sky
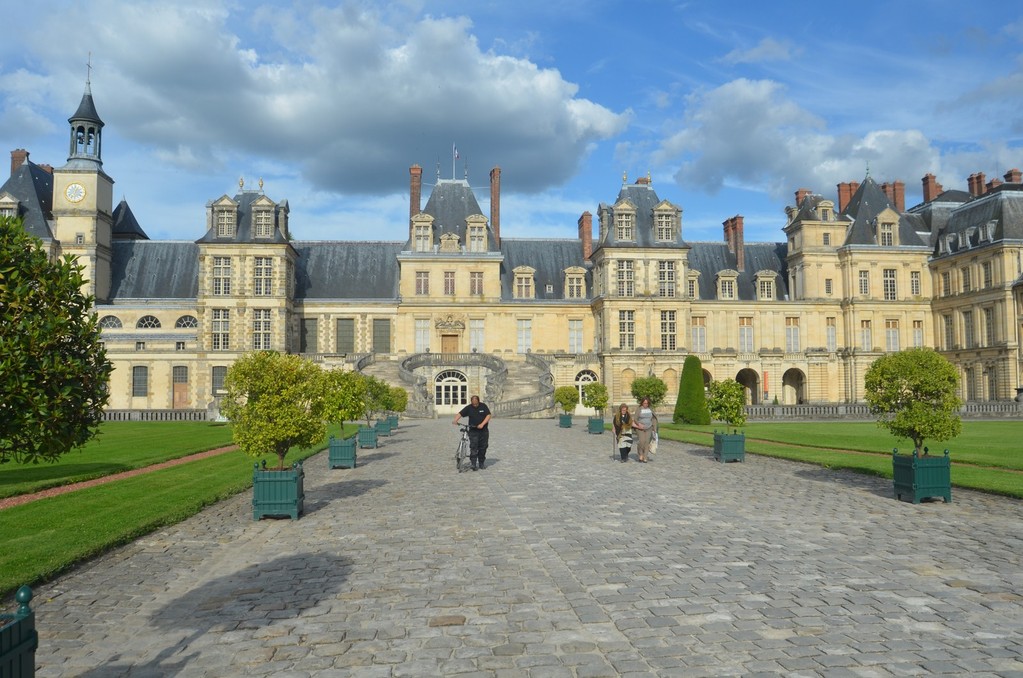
(730,107)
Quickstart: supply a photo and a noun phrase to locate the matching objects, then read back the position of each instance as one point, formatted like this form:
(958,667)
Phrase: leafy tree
(649,387)
(595,396)
(567,397)
(691,406)
(913,394)
(274,402)
(399,399)
(378,397)
(343,396)
(53,368)
(728,402)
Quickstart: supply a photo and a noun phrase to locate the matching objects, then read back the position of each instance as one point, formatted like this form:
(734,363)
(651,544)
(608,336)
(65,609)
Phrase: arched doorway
(751,381)
(584,377)
(450,391)
(793,387)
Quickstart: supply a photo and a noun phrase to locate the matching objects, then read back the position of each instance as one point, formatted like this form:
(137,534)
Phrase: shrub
(567,397)
(653,388)
(728,402)
(595,396)
(691,406)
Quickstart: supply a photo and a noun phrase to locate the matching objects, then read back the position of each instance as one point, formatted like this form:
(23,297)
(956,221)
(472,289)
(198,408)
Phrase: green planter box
(392,420)
(729,447)
(383,427)
(19,639)
(367,436)
(595,425)
(917,477)
(278,493)
(565,420)
(341,452)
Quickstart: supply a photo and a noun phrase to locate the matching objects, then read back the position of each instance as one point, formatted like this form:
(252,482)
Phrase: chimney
(853,187)
(46,168)
(495,204)
(932,189)
(415,191)
(18,158)
(740,248)
(992,185)
(1013,176)
(843,196)
(729,233)
(586,233)
(800,194)
(976,184)
(899,193)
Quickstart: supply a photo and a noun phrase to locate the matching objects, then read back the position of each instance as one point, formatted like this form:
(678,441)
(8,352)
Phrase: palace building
(462,307)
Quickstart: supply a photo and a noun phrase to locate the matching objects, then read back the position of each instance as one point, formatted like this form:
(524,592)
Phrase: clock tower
(83,200)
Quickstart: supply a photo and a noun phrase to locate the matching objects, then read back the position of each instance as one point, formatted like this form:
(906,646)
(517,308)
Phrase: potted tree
(727,403)
(567,397)
(273,402)
(913,395)
(399,402)
(343,398)
(377,396)
(650,387)
(595,396)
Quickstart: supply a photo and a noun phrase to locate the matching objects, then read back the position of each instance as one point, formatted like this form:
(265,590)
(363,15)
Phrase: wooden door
(449,343)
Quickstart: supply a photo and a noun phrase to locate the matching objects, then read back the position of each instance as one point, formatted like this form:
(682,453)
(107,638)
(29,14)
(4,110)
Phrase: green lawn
(984,457)
(45,537)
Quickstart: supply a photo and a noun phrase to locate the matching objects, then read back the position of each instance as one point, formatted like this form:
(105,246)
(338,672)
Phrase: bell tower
(83,199)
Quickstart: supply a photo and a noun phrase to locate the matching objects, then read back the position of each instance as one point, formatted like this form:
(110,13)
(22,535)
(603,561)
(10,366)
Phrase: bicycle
(462,451)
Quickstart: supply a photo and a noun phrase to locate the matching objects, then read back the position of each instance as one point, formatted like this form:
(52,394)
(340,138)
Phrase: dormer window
(887,237)
(693,285)
(575,283)
(765,286)
(422,239)
(477,233)
(524,282)
(8,206)
(625,226)
(665,225)
(263,223)
(226,222)
(727,284)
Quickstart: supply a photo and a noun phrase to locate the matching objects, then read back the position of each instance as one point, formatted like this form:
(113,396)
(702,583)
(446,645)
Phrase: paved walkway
(556,561)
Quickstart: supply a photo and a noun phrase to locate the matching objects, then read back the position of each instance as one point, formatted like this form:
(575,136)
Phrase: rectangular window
(989,327)
(476,335)
(523,286)
(346,335)
(262,276)
(626,229)
(891,336)
(221,329)
(988,274)
(728,289)
(524,335)
(627,330)
(179,346)
(179,374)
(626,278)
(576,287)
(890,291)
(887,235)
(665,227)
(693,289)
(766,290)
(831,334)
(970,341)
(261,329)
(946,284)
(699,332)
(965,273)
(422,283)
(866,340)
(422,335)
(139,381)
(476,283)
(666,278)
(864,283)
(791,334)
(575,336)
(140,346)
(949,332)
(477,238)
(918,333)
(829,287)
(264,223)
(225,223)
(381,335)
(307,336)
(449,283)
(422,238)
(915,287)
(826,239)
(222,275)
(669,337)
(218,377)
(746,334)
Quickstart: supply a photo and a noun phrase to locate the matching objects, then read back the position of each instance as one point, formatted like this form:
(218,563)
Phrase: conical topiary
(691,406)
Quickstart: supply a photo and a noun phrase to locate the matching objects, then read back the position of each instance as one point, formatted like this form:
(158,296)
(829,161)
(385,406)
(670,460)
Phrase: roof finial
(868,169)
(88,75)
(241,183)
(261,184)
(625,177)
(648,181)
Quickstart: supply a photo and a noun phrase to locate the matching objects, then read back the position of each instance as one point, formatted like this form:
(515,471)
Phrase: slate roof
(549,258)
(125,226)
(644,199)
(347,270)
(32,187)
(709,258)
(996,215)
(243,227)
(866,203)
(450,202)
(148,269)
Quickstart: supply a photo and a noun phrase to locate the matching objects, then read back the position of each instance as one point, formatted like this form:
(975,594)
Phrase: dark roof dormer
(248,217)
(639,218)
(455,210)
(125,226)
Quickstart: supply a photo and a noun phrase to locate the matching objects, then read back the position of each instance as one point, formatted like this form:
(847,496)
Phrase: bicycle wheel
(461,452)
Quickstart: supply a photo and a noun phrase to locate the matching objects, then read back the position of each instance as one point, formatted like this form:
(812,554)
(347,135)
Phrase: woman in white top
(645,423)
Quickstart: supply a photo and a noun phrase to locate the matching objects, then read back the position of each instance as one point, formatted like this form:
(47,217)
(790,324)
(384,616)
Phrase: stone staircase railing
(542,403)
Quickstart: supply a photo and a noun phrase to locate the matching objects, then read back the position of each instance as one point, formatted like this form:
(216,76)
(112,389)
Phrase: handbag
(653,443)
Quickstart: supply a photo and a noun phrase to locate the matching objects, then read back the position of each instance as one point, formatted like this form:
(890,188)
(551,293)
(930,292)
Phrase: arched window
(110,322)
(147,322)
(186,322)
(583,378)
(451,388)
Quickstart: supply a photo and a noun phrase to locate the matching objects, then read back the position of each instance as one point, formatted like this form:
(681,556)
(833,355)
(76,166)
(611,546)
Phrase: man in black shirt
(479,435)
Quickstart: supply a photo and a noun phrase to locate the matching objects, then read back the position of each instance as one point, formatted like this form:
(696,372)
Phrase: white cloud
(768,49)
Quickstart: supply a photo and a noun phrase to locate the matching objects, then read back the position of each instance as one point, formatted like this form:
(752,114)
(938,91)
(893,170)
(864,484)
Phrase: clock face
(75,192)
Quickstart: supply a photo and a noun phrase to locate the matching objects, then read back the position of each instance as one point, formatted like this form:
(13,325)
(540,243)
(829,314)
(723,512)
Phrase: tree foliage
(727,402)
(343,396)
(378,397)
(595,395)
(913,394)
(649,387)
(53,368)
(274,402)
(567,397)
(691,406)
(399,399)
